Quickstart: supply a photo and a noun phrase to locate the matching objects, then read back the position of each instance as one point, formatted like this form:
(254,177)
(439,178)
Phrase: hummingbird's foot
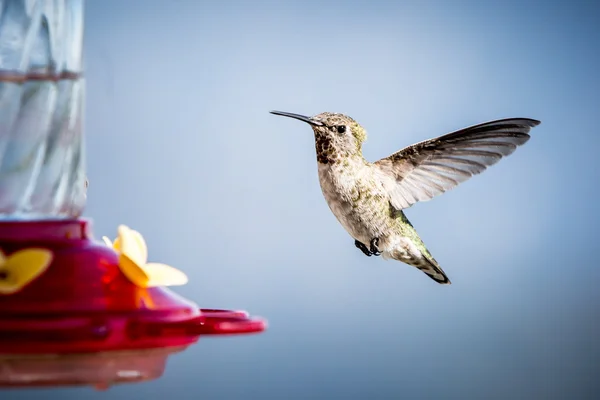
(363,248)
(374,247)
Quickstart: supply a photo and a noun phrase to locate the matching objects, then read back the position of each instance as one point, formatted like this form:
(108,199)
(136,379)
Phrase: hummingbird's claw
(374,247)
(363,248)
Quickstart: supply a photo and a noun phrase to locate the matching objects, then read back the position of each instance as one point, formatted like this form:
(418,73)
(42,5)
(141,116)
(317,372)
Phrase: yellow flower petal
(23,267)
(132,244)
(117,245)
(2,258)
(141,243)
(133,271)
(133,255)
(143,299)
(107,242)
(164,275)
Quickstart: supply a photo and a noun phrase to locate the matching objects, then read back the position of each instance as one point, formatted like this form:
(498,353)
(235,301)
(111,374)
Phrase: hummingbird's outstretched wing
(427,169)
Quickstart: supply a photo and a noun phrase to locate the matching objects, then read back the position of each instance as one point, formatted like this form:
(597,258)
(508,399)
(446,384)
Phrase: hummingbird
(368,198)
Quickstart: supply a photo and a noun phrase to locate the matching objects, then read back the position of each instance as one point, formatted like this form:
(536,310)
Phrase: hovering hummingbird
(368,198)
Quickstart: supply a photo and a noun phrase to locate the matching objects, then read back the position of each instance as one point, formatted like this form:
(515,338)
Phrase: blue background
(180,146)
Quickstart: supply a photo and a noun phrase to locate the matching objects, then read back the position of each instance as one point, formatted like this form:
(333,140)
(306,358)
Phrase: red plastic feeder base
(100,370)
(83,303)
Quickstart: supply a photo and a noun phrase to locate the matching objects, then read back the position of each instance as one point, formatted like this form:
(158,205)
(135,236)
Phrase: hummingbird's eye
(341,128)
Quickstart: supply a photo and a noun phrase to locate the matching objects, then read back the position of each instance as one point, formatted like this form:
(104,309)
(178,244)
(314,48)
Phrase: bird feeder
(73,310)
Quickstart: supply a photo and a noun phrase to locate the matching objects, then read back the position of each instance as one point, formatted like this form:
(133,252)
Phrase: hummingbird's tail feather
(408,248)
(424,262)
(432,269)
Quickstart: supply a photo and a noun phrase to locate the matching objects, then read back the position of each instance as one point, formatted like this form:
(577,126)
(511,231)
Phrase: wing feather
(430,168)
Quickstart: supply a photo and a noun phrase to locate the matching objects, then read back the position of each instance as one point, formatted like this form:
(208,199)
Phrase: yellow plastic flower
(22,267)
(133,257)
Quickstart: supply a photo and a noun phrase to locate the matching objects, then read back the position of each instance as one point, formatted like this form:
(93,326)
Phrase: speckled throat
(326,150)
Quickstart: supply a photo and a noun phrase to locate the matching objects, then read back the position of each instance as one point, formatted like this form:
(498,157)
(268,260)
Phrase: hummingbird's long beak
(298,116)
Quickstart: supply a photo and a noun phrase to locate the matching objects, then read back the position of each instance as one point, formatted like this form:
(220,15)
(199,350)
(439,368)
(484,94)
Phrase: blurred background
(180,146)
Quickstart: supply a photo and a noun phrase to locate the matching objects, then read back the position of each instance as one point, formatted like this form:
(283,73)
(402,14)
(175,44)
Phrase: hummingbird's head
(336,135)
